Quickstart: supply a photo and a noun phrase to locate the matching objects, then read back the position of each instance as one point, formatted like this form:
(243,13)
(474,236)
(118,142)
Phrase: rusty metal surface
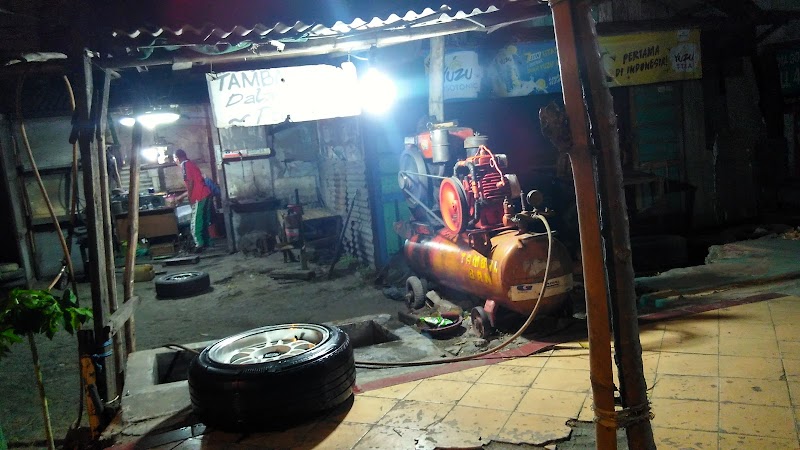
(516,261)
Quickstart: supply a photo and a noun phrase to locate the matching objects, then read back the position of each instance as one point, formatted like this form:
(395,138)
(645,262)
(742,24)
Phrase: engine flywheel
(453,204)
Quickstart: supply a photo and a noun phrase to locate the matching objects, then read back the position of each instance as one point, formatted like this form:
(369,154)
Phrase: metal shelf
(245,158)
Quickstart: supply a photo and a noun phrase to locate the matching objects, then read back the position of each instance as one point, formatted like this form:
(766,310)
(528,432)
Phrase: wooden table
(153,223)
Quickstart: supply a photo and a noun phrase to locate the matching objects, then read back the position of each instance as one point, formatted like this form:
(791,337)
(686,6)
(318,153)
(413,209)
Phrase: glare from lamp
(378,92)
(150,153)
(349,67)
(127,121)
(153,119)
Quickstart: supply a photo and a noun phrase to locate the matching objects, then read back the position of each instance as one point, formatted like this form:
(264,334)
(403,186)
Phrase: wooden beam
(133,231)
(13,185)
(119,319)
(90,163)
(120,357)
(627,348)
(630,26)
(760,38)
(56,67)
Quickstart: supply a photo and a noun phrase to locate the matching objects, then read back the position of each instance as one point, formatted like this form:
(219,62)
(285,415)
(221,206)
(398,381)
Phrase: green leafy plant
(28,312)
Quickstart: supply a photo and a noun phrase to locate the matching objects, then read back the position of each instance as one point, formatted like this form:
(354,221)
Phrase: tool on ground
(293,230)
(338,252)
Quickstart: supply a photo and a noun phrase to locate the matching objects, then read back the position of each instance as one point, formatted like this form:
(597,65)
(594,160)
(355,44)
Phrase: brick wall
(342,172)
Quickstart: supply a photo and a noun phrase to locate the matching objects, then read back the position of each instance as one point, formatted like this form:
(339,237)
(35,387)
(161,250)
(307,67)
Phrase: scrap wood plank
(292,274)
(180,260)
(117,320)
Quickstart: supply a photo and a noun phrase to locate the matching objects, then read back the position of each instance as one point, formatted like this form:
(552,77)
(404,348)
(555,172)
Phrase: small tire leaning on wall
(182,284)
(415,292)
(271,377)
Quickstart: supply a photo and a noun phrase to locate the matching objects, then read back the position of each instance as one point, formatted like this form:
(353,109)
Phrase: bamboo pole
(74,178)
(133,231)
(627,348)
(594,274)
(37,370)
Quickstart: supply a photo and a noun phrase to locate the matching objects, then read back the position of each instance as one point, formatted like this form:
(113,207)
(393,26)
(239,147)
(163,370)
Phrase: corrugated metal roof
(212,34)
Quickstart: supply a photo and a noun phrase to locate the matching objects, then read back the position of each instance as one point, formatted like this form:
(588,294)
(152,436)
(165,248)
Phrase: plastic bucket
(143,272)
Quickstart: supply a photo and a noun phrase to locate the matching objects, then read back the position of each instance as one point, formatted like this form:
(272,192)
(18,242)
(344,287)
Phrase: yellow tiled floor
(726,379)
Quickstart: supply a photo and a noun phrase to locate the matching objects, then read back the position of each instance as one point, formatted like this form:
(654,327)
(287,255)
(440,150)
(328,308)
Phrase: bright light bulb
(349,67)
(378,91)
(127,121)
(150,153)
(153,119)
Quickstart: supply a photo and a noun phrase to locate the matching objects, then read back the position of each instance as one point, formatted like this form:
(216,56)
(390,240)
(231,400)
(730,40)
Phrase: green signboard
(789,67)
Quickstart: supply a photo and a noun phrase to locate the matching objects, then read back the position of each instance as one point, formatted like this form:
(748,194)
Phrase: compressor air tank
(511,273)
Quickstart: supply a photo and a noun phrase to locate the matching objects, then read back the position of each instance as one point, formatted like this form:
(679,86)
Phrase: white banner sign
(462,75)
(268,96)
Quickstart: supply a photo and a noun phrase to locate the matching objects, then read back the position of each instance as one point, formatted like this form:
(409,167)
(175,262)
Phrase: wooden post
(108,237)
(594,274)
(627,348)
(12,183)
(133,230)
(436,79)
(216,166)
(94,206)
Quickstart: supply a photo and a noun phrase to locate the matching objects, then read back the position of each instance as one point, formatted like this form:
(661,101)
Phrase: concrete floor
(723,379)
(244,297)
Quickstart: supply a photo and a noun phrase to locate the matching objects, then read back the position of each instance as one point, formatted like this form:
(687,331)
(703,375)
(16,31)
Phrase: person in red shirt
(199,196)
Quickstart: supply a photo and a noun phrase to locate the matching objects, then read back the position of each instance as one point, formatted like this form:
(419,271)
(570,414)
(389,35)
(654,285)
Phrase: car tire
(299,378)
(182,284)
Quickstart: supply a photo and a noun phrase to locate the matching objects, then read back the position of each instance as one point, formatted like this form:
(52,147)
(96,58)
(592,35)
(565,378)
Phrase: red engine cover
(488,191)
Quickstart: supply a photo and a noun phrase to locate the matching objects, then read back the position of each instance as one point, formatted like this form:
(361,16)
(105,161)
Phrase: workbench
(153,223)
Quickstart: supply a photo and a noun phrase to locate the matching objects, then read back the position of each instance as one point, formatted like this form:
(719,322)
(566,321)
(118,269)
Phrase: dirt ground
(243,296)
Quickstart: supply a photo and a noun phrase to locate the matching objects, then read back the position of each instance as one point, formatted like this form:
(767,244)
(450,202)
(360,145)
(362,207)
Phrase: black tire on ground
(307,369)
(658,253)
(182,284)
(415,293)
(481,322)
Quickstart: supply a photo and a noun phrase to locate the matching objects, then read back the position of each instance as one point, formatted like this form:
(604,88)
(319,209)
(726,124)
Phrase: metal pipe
(473,185)
(583,168)
(436,78)
(627,348)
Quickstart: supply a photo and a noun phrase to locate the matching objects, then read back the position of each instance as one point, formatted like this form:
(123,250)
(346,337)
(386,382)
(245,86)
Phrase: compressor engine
(473,239)
(478,193)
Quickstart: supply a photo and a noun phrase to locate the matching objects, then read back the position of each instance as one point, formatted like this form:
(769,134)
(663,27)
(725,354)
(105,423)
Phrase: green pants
(201,219)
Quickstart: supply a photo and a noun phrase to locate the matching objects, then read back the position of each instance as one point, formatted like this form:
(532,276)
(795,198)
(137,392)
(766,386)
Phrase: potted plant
(28,312)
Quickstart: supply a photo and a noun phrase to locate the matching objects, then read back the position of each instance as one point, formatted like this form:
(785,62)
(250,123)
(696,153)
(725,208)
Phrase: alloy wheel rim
(269,344)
